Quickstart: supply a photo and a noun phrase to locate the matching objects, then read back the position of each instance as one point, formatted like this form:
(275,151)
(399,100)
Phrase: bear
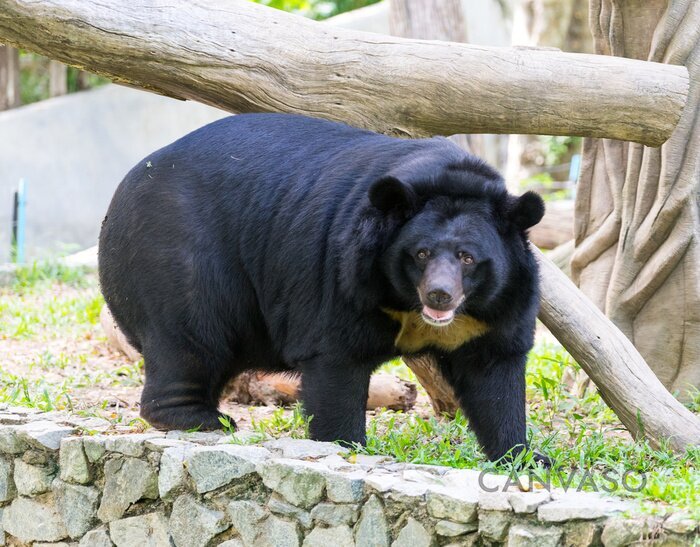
(282,242)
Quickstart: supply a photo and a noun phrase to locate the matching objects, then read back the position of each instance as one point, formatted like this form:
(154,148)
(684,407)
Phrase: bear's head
(452,241)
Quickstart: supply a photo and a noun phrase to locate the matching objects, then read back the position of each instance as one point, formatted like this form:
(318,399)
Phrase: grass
(567,419)
(49,303)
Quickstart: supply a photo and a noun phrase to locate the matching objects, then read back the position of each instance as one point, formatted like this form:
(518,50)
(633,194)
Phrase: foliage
(316,9)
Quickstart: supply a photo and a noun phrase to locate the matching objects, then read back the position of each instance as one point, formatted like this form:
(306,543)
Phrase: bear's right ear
(389,194)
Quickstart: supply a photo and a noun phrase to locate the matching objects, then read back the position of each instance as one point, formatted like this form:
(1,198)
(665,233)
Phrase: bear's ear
(389,194)
(526,211)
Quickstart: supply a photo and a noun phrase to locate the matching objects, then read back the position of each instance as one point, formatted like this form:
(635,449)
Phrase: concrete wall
(74,150)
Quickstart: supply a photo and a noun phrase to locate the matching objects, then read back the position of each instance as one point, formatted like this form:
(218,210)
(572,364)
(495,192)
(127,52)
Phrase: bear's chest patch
(415,334)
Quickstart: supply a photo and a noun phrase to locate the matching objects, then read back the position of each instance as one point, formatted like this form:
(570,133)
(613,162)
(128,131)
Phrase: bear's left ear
(526,211)
(389,194)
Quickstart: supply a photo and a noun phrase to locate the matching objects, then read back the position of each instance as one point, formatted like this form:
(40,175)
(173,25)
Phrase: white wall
(74,150)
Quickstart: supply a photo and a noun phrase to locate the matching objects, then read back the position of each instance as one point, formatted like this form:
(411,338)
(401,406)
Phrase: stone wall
(65,481)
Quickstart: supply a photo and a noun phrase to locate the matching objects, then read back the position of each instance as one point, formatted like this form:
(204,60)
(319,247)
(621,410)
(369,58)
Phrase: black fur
(275,241)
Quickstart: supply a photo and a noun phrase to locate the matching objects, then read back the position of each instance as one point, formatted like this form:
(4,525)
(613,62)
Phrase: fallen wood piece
(280,389)
(115,337)
(244,57)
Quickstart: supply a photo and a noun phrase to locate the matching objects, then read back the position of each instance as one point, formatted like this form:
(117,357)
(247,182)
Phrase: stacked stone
(200,489)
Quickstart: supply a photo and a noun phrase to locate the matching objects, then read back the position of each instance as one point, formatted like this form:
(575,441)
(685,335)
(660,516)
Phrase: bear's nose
(439,297)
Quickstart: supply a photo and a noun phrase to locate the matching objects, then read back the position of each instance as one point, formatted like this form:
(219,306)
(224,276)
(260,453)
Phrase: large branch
(625,381)
(244,57)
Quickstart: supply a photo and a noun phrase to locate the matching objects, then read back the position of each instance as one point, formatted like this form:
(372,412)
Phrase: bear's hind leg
(335,397)
(182,388)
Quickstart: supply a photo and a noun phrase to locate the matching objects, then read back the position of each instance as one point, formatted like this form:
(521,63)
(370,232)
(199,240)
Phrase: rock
(623,531)
(193,524)
(235,542)
(579,505)
(246,516)
(301,449)
(150,530)
(469,540)
(10,441)
(300,483)
(94,448)
(335,515)
(494,525)
(528,502)
(372,529)
(159,444)
(277,532)
(207,438)
(494,501)
(77,505)
(172,475)
(214,466)
(448,528)
(582,533)
(31,480)
(130,445)
(96,538)
(34,519)
(44,434)
(73,462)
(345,487)
(337,536)
(459,506)
(413,534)
(365,460)
(680,523)
(259,529)
(521,535)
(278,506)
(126,481)
(7,482)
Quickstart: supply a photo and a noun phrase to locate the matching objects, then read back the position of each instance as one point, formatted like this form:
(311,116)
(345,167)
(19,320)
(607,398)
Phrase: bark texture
(58,79)
(9,77)
(637,225)
(244,57)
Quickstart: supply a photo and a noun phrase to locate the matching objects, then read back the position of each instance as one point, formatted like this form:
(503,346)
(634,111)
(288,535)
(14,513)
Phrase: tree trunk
(9,78)
(637,227)
(58,79)
(557,24)
(245,57)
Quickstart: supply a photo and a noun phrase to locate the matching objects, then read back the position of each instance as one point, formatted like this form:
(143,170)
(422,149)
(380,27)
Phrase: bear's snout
(441,286)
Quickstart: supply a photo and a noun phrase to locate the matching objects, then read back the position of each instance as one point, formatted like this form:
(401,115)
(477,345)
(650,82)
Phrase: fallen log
(244,57)
(259,388)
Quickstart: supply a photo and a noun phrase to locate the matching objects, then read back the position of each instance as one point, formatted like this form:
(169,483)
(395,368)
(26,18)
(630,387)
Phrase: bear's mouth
(437,318)
(440,318)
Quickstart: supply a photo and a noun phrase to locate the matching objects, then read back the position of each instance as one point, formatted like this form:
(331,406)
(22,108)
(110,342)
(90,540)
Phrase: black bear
(288,243)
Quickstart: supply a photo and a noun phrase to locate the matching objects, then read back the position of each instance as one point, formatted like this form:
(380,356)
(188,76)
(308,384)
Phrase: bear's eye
(423,255)
(466,258)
